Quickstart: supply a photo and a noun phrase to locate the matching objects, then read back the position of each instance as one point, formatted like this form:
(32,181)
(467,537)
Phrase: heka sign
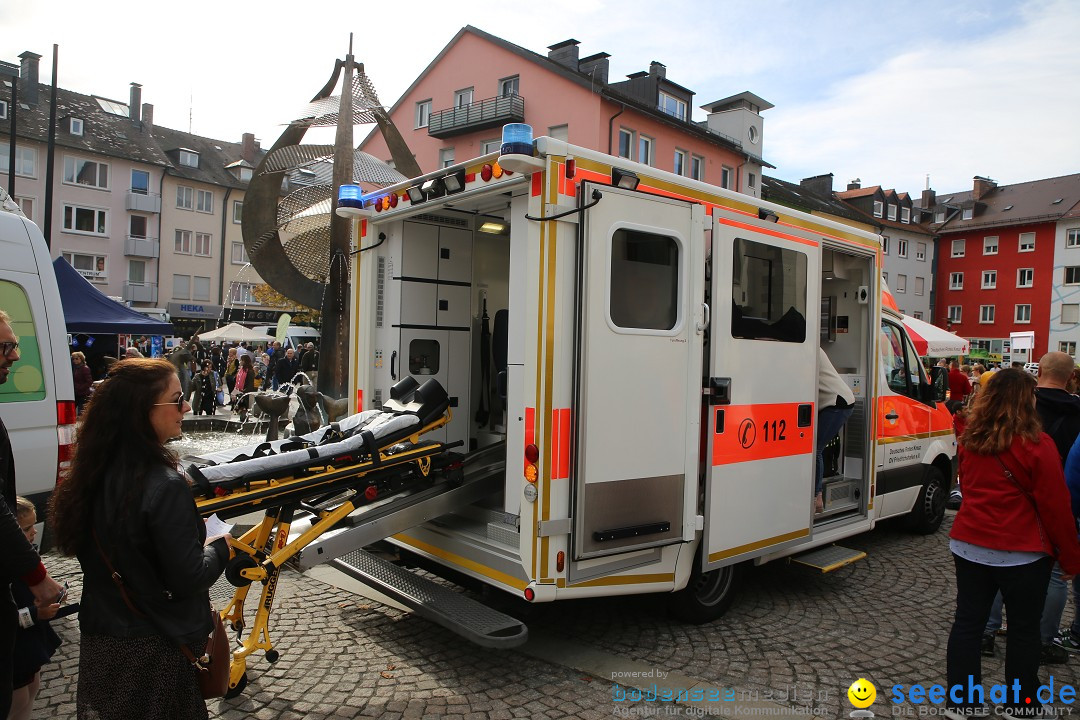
(194,310)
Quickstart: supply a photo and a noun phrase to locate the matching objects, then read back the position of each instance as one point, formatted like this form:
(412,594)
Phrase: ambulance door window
(768,292)
(644,280)
(896,361)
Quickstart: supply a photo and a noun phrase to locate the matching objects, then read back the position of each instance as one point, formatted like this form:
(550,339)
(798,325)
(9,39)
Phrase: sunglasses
(178,403)
(6,348)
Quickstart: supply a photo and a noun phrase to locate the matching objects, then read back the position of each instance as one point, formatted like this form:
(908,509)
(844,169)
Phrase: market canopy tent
(236,333)
(88,310)
(932,341)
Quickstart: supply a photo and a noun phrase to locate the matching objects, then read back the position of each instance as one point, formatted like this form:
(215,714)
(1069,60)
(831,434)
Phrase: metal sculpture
(297,244)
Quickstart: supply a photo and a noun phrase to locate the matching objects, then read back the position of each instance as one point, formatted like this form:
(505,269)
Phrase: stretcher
(326,474)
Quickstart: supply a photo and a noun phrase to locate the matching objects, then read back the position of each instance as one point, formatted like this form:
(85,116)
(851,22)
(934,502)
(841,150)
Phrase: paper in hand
(216,527)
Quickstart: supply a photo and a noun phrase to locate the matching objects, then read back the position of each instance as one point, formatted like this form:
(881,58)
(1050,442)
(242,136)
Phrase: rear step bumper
(454,611)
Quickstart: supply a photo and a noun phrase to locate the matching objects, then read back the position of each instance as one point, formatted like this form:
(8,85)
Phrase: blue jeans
(1057,593)
(830,421)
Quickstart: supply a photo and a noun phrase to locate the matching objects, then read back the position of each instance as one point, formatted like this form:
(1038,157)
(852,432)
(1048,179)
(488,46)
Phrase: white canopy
(932,341)
(236,333)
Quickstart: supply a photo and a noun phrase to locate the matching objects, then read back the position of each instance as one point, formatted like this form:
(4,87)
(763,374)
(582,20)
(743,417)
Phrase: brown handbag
(213,667)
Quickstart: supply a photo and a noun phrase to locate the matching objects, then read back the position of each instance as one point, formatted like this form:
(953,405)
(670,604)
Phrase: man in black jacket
(1060,414)
(286,367)
(18,559)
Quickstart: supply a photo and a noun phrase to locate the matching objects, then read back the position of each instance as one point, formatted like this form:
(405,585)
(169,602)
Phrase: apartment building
(149,215)
(1007,273)
(457,106)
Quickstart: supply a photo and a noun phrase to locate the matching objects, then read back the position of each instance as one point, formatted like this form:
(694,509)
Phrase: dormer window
(244,174)
(3,109)
(672,105)
(939,216)
(189,158)
(878,208)
(905,215)
(892,212)
(76,126)
(967,213)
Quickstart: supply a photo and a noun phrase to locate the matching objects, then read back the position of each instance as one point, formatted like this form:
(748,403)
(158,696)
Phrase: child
(208,389)
(35,641)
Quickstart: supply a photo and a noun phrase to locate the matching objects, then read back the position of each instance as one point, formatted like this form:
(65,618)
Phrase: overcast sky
(888,93)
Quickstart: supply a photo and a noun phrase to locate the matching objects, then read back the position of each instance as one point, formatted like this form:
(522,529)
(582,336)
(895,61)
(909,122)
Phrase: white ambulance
(646,417)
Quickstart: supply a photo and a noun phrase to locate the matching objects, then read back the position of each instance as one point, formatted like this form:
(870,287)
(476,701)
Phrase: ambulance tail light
(560,561)
(570,168)
(530,594)
(532,456)
(65,437)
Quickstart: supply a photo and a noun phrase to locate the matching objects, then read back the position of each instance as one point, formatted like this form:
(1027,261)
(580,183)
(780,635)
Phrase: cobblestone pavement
(794,641)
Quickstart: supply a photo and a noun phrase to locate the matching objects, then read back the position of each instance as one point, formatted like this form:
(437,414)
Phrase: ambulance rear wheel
(929,509)
(708,595)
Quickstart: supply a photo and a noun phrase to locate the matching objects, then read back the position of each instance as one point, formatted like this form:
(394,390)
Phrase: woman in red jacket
(1015,520)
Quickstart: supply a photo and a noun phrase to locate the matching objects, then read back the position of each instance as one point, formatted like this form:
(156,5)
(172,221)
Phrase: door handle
(704,324)
(393,360)
(892,416)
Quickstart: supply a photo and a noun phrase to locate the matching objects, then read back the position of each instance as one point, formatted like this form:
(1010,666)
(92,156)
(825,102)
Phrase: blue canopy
(88,310)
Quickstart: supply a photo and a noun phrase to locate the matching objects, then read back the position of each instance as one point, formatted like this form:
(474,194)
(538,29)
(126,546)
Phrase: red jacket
(997,514)
(959,385)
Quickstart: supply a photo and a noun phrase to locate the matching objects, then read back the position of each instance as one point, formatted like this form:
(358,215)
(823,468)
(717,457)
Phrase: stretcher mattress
(411,408)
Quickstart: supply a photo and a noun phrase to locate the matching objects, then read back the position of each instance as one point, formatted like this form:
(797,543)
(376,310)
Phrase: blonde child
(35,640)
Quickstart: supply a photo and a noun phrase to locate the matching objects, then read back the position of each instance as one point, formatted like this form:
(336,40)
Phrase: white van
(37,403)
(295,335)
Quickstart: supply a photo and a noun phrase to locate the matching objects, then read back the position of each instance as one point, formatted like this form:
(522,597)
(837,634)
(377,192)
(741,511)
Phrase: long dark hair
(1003,409)
(115,444)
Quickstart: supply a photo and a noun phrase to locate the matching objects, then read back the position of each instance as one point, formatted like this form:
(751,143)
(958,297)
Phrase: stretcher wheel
(272,656)
(235,691)
(235,566)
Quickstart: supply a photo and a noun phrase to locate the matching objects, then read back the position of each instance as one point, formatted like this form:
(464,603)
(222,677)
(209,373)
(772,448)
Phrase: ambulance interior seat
(500,340)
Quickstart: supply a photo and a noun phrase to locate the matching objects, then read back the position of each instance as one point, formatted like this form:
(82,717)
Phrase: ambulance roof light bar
(351,202)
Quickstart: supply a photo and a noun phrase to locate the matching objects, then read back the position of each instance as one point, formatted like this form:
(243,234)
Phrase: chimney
(148,117)
(595,66)
(135,104)
(820,185)
(855,184)
(565,53)
(28,78)
(248,147)
(982,187)
(929,199)
(658,69)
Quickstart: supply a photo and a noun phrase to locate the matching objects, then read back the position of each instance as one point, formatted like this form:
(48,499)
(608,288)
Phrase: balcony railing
(140,292)
(477,116)
(143,202)
(136,246)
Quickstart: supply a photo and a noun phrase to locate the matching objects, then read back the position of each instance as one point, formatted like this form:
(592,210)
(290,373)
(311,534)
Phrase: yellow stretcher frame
(254,559)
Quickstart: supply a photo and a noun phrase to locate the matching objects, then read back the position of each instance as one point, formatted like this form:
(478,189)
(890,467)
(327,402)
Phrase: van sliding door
(762,412)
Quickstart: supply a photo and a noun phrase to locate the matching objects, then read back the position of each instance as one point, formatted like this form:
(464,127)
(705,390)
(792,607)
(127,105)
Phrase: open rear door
(639,375)
(761,413)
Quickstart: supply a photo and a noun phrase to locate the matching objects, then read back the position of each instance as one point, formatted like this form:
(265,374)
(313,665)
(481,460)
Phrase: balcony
(479,115)
(145,292)
(136,246)
(143,202)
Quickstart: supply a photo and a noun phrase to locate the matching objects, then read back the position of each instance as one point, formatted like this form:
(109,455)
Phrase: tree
(270,297)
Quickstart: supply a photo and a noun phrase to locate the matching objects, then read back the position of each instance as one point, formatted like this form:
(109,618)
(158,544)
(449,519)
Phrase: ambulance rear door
(760,408)
(639,376)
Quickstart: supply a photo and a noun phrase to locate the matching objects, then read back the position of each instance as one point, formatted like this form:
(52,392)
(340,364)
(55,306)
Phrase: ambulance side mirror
(939,381)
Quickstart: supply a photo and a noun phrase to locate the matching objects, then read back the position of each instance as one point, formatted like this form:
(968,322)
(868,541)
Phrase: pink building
(456,108)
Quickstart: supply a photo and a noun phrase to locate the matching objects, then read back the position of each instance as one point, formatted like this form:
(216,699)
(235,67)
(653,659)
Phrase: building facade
(1003,273)
(149,215)
(456,108)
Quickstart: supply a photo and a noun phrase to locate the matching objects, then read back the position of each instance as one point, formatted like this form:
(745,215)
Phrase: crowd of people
(1014,540)
(212,372)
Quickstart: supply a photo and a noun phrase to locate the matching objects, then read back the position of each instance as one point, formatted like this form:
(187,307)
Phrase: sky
(887,93)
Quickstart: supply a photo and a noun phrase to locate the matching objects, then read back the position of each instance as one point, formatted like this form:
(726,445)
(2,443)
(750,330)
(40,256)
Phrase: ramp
(454,611)
(381,519)
(828,558)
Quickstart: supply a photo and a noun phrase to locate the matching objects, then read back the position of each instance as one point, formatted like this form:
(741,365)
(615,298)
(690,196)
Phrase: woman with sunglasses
(124,505)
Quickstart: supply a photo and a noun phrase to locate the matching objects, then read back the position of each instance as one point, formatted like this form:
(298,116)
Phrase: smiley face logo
(862,693)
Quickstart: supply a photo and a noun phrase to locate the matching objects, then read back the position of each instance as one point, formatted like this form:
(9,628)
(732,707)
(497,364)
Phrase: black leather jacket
(157,547)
